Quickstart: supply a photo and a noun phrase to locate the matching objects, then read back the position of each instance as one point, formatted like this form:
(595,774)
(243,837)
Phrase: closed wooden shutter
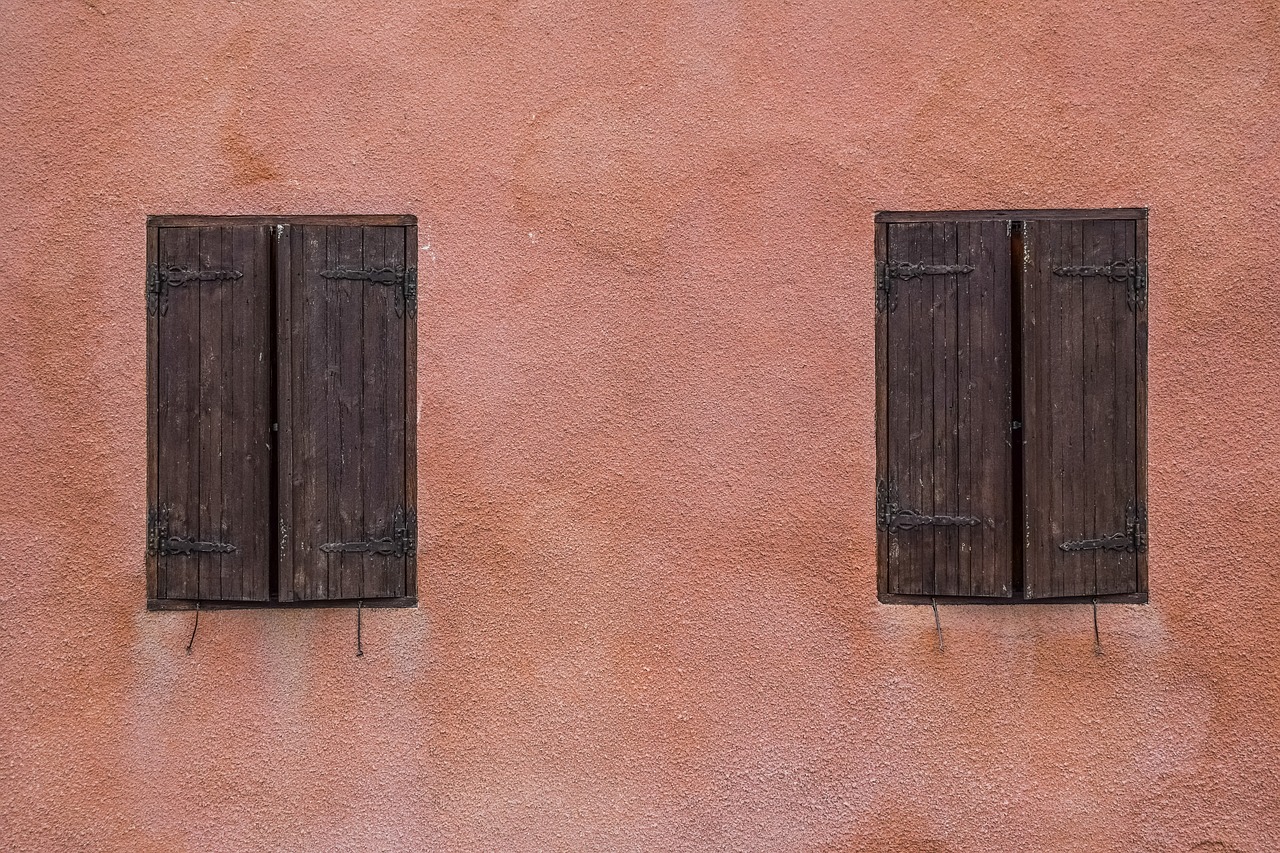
(209,315)
(944,379)
(1084,304)
(347,312)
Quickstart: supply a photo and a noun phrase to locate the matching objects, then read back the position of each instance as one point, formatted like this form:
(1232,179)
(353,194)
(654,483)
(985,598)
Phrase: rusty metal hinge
(402,542)
(1132,540)
(891,517)
(886,272)
(175,276)
(404,280)
(1130,271)
(161,543)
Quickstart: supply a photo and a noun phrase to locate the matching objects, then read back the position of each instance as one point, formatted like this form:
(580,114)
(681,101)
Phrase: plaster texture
(648,617)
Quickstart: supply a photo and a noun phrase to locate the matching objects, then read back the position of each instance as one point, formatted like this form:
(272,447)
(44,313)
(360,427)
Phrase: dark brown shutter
(944,368)
(1084,303)
(209,311)
(348,298)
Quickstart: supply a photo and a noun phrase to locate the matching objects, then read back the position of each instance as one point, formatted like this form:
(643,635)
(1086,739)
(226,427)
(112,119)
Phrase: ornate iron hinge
(1130,271)
(886,272)
(160,543)
(402,542)
(405,282)
(175,276)
(890,516)
(1133,539)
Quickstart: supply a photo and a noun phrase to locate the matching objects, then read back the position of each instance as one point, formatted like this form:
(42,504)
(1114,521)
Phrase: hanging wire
(1097,638)
(937,621)
(359,628)
(192,641)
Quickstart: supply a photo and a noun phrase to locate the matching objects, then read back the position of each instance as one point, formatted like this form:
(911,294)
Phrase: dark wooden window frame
(1137,215)
(156,222)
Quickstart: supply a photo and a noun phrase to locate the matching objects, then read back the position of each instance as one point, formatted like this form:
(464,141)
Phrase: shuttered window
(281,363)
(1011,405)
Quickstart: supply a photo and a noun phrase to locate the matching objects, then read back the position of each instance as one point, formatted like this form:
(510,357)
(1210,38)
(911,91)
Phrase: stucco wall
(648,615)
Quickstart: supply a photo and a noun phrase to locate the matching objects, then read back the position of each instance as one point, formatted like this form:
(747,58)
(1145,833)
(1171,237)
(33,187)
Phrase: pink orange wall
(648,616)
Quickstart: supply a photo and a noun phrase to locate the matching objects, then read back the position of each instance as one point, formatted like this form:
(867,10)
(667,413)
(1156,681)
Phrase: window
(1011,405)
(281,401)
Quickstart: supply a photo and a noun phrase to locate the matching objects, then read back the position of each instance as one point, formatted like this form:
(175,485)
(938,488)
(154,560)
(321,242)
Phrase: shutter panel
(347,518)
(209,307)
(945,461)
(1084,301)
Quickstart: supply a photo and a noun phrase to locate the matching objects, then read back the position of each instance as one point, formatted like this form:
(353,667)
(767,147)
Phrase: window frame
(1140,216)
(153,225)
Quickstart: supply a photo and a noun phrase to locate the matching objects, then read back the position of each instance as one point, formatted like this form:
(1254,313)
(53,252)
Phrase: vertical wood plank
(152,379)
(286,242)
(1037,414)
(882,385)
(964,393)
(178,410)
(153,408)
(1140,392)
(347,301)
(394,414)
(212,360)
(377,499)
(945,435)
(992,360)
(1116,477)
(312,418)
(1098,510)
(409,254)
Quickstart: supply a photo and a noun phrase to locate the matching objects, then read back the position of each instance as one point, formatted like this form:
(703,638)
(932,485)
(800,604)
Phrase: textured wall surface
(648,615)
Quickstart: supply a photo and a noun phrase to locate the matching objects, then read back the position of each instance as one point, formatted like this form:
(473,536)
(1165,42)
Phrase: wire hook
(191,642)
(359,628)
(1097,638)
(937,621)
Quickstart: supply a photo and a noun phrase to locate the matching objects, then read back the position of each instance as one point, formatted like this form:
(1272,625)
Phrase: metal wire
(191,642)
(359,628)
(1097,638)
(937,621)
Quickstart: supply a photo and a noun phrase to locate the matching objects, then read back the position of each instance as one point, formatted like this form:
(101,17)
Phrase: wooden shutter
(209,313)
(348,301)
(1084,350)
(944,375)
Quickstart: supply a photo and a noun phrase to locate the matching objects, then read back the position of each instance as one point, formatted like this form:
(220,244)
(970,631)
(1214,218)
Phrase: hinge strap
(1130,271)
(403,540)
(160,543)
(1132,540)
(891,517)
(175,276)
(405,281)
(886,272)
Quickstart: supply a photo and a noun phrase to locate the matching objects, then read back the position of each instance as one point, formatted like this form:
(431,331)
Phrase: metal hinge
(160,543)
(405,282)
(1132,540)
(1130,271)
(403,540)
(886,272)
(175,276)
(890,516)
